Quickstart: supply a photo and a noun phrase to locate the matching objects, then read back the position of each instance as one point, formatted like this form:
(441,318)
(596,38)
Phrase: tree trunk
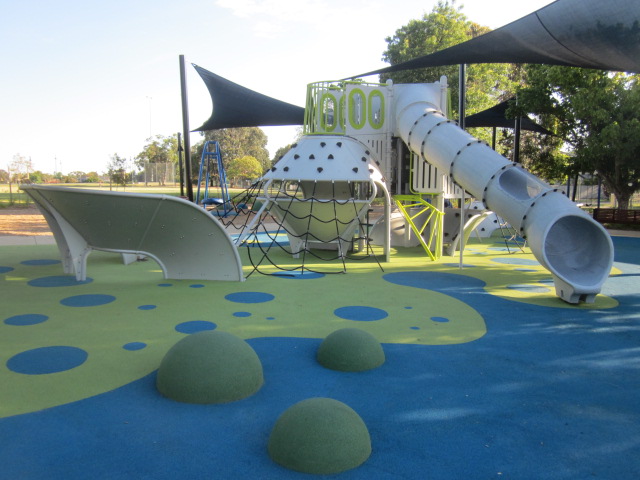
(623,200)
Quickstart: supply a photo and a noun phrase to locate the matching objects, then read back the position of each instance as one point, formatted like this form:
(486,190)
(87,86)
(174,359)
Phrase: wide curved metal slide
(185,240)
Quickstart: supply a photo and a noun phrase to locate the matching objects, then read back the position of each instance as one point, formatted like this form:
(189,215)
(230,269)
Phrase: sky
(81,81)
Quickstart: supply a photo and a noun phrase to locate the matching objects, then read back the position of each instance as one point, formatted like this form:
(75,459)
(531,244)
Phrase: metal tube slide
(565,240)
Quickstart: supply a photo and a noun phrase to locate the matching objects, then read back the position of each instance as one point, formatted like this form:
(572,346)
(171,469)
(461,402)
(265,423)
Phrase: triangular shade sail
(237,106)
(496,117)
(578,33)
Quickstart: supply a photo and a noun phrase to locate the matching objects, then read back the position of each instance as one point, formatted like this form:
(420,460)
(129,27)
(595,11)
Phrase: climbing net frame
(314,217)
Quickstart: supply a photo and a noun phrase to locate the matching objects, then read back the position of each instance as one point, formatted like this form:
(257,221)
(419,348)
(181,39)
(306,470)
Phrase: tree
(444,27)
(159,150)
(37,177)
(280,153)
(20,168)
(244,168)
(117,169)
(237,143)
(78,175)
(92,177)
(596,113)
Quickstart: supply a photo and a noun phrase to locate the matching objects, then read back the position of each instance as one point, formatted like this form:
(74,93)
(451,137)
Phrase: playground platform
(487,375)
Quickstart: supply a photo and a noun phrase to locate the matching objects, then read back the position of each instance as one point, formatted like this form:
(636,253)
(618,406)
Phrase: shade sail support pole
(185,129)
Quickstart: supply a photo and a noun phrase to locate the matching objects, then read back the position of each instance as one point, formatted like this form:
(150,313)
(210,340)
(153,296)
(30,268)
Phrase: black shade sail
(496,117)
(602,34)
(237,106)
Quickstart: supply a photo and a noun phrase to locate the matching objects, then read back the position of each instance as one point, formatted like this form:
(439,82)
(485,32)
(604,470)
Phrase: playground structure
(408,146)
(212,167)
(361,141)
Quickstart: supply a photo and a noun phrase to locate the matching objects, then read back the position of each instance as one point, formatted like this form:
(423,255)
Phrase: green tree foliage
(542,155)
(159,149)
(117,170)
(36,177)
(280,153)
(597,114)
(238,143)
(445,26)
(244,168)
(92,177)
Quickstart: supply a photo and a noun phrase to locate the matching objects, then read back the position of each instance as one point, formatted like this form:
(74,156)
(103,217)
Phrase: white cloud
(272,18)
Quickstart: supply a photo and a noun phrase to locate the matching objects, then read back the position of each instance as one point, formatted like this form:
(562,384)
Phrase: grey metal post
(185,129)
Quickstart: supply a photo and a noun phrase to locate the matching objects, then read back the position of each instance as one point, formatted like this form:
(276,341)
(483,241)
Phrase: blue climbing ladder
(210,164)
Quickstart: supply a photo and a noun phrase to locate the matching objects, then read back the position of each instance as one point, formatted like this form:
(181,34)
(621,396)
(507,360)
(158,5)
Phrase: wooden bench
(615,215)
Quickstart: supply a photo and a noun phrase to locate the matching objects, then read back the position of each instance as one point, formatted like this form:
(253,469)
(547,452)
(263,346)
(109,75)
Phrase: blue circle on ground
(510,248)
(448,283)
(360,313)
(271,318)
(515,261)
(133,346)
(165,284)
(146,307)
(58,281)
(249,297)
(414,328)
(26,319)
(546,281)
(5,269)
(44,360)
(408,308)
(440,319)
(298,275)
(528,288)
(89,300)
(196,285)
(242,314)
(195,326)
(525,270)
(266,240)
(42,261)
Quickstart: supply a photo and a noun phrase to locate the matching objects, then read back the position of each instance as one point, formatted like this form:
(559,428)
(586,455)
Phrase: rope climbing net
(312,224)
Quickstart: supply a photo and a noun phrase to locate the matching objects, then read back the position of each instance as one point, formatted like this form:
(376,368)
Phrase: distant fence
(615,215)
(162,173)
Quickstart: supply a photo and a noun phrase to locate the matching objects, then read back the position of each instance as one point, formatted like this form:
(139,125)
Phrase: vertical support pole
(462,94)
(493,138)
(516,140)
(599,189)
(185,129)
(461,242)
(180,165)
(462,106)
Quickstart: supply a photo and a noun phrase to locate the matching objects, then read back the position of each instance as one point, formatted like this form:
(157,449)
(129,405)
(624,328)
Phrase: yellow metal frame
(406,202)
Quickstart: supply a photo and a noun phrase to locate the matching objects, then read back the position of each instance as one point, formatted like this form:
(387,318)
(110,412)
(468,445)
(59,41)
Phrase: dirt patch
(26,221)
